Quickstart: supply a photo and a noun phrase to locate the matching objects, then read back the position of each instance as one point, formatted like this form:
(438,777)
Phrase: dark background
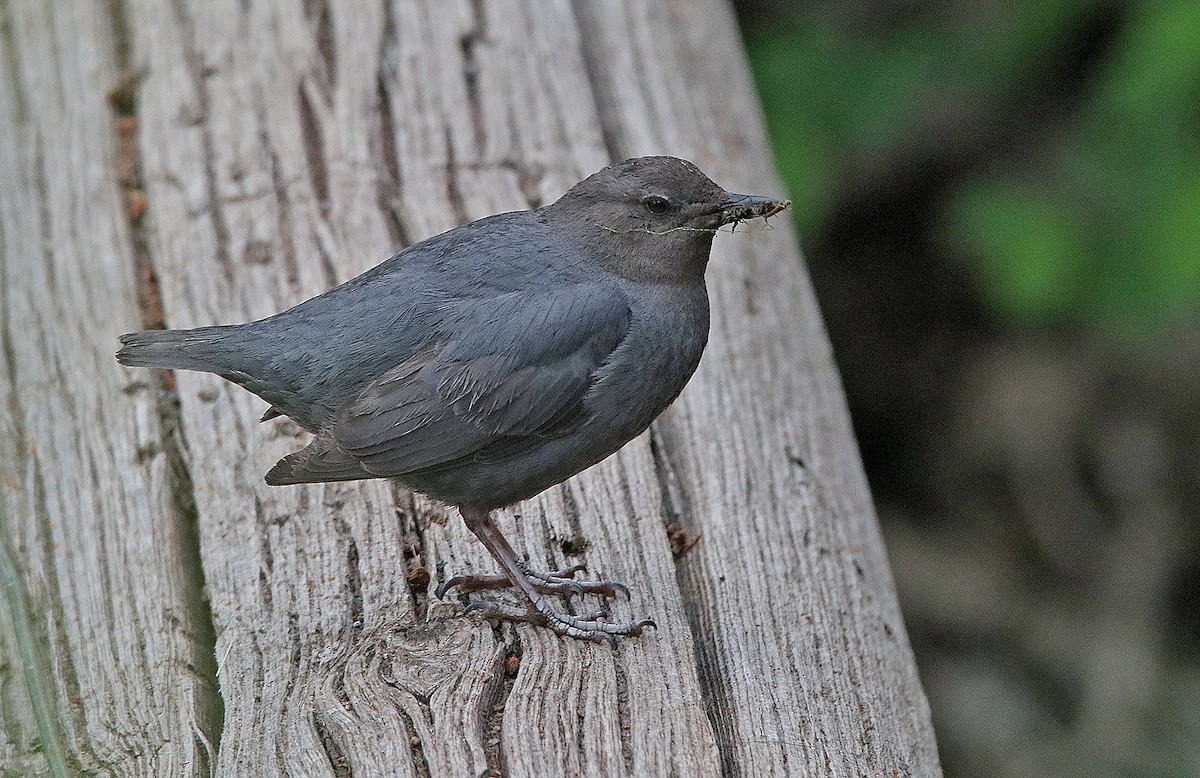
(999,203)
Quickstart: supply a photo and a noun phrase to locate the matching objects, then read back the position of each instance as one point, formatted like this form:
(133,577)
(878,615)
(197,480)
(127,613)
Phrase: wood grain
(285,146)
(791,580)
(102,640)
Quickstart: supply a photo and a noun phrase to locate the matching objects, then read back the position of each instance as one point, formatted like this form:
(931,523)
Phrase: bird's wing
(320,460)
(503,373)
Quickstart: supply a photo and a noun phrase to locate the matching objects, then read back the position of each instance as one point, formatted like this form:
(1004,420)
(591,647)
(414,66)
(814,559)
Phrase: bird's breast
(666,338)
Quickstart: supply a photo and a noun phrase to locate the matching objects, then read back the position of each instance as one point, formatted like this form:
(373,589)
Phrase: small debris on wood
(576,546)
(680,539)
(135,203)
(418,578)
(127,159)
(122,98)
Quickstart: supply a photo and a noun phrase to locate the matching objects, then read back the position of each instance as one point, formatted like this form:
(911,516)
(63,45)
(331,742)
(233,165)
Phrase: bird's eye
(655,203)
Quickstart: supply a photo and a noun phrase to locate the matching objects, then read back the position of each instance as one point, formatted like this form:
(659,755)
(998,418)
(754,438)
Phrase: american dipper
(486,364)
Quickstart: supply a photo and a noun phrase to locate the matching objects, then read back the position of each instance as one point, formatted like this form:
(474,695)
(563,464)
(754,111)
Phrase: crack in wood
(578,539)
(338,760)
(674,499)
(557,113)
(314,149)
(262,524)
(624,718)
(388,187)
(610,128)
(291,683)
(711,671)
(121,37)
(320,17)
(547,536)
(354,585)
(12,63)
(210,706)
(199,73)
(326,261)
(416,747)
(268,558)
(44,213)
(453,194)
(283,204)
(413,552)
(203,633)
(468,44)
(495,698)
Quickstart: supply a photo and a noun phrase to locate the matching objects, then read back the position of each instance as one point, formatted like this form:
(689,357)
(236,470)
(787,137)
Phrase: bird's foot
(594,627)
(554,582)
(534,586)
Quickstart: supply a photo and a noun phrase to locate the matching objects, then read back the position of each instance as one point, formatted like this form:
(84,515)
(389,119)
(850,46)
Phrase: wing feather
(500,375)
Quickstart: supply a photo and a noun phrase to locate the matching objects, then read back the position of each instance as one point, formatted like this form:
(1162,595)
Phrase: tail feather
(231,351)
(204,348)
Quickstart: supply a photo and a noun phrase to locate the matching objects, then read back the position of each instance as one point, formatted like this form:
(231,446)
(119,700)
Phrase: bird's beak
(739,207)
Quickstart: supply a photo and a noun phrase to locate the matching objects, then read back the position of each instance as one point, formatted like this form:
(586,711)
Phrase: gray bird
(486,364)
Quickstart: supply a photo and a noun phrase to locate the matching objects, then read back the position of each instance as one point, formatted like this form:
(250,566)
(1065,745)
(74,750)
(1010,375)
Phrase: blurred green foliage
(1086,215)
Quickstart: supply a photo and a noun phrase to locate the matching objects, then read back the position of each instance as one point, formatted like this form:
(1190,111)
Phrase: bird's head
(654,217)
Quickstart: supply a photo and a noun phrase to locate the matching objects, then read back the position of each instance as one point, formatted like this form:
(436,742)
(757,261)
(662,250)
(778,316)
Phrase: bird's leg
(591,626)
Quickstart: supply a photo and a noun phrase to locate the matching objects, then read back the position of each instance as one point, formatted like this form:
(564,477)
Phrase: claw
(534,585)
(593,627)
(553,582)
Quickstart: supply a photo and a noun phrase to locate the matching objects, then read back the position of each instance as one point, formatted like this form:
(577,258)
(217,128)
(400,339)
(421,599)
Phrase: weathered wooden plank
(276,168)
(297,576)
(803,653)
(103,622)
(525,131)
(266,185)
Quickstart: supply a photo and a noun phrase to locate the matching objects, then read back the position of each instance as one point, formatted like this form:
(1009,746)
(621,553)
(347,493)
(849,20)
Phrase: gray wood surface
(103,647)
(284,146)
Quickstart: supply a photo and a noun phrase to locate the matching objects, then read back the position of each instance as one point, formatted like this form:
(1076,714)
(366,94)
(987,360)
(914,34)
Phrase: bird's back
(309,360)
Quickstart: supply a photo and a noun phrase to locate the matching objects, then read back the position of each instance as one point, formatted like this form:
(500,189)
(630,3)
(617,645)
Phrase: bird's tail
(204,348)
